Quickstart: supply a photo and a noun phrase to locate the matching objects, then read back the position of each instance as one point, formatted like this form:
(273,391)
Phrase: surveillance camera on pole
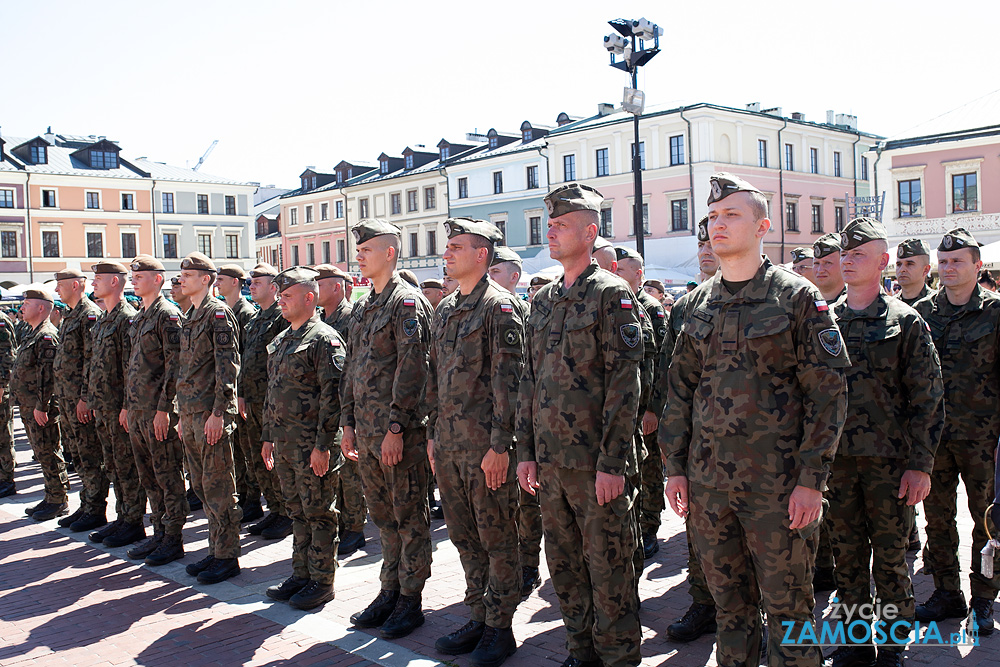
(615,43)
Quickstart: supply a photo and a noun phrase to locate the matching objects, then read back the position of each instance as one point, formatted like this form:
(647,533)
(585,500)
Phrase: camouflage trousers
(651,497)
(246,483)
(972,461)
(870,524)
(697,586)
(529,528)
(752,560)
(311,504)
(47,447)
(159,464)
(824,550)
(259,478)
(397,501)
(213,479)
(589,549)
(83,443)
(482,524)
(351,499)
(130,497)
(8,458)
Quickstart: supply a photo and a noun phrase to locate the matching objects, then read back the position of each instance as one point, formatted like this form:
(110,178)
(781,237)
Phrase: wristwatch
(217,413)
(395,428)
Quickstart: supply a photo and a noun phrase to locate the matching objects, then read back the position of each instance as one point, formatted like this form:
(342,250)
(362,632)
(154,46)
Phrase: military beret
(538,281)
(860,231)
(330,271)
(198,262)
(503,254)
(368,229)
(703,229)
(655,284)
(799,254)
(600,243)
(623,252)
(912,248)
(432,283)
(294,276)
(263,270)
(692,283)
(176,280)
(69,273)
(724,184)
(38,294)
(409,276)
(456,226)
(957,239)
(573,197)
(233,271)
(108,267)
(826,245)
(146,263)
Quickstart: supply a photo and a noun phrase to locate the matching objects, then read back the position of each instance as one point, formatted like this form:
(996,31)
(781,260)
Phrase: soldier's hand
(914,486)
(83,415)
(347,444)
(161,425)
(527,476)
(804,506)
(2,392)
(41,418)
(677,494)
(608,487)
(319,462)
(267,453)
(213,429)
(392,449)
(649,422)
(123,419)
(430,454)
(241,406)
(495,466)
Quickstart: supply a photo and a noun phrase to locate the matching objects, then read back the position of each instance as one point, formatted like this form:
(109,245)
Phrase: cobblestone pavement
(65,601)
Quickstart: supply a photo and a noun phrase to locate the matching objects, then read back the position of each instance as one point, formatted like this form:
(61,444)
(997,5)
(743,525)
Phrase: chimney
(604,109)
(49,137)
(754,106)
(773,111)
(798,115)
(312,166)
(829,117)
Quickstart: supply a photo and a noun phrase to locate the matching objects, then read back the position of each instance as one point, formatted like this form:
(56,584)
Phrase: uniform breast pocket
(882,347)
(382,336)
(469,347)
(581,340)
(980,341)
(769,340)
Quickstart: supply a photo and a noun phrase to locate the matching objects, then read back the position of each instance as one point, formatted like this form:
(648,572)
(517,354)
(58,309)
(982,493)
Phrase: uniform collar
(944,307)
(756,290)
(470,301)
(876,310)
(578,290)
(298,334)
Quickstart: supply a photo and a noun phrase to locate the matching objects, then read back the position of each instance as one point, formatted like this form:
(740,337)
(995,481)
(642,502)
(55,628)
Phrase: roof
(976,117)
(61,161)
(507,149)
(271,213)
(166,172)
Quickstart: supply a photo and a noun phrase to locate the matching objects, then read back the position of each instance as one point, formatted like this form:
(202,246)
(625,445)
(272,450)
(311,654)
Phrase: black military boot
(7,489)
(171,548)
(351,542)
(463,640)
(129,533)
(983,607)
(913,545)
(194,569)
(88,522)
(496,646)
(194,502)
(263,524)
(823,580)
(380,609)
(140,551)
(252,511)
(404,619)
(941,605)
(699,619)
(31,510)
(99,536)
(279,530)
(284,591)
(649,546)
(50,511)
(220,570)
(852,656)
(67,520)
(315,594)
(530,580)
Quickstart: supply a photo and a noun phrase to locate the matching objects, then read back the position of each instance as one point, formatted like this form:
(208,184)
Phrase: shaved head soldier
(913,265)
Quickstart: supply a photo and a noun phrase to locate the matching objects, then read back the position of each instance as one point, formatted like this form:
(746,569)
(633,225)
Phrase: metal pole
(640,246)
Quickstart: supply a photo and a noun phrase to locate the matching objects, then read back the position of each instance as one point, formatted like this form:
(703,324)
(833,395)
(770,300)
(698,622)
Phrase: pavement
(66,601)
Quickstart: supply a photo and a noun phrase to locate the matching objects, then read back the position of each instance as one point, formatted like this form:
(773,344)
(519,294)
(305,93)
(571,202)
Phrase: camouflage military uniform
(967,338)
(577,406)
(106,381)
(651,498)
(755,384)
(154,342)
(247,487)
(70,368)
(302,413)
(529,513)
(206,384)
(31,386)
(384,382)
(472,392)
(253,380)
(8,350)
(894,419)
(924,293)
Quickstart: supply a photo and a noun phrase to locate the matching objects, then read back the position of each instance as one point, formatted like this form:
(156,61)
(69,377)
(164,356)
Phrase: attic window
(350,173)
(383,167)
(445,152)
(340,176)
(494,142)
(526,135)
(103,160)
(39,155)
(409,161)
(305,183)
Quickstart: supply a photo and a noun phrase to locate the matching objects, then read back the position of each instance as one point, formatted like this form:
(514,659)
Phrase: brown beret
(538,281)
(109,267)
(69,273)
(263,270)
(655,284)
(176,280)
(432,283)
(331,271)
(38,294)
(147,263)
(198,262)
(233,271)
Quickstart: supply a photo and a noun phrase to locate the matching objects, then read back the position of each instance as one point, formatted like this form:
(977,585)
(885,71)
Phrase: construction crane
(202,158)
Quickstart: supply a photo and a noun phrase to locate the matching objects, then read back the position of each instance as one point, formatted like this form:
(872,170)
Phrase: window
(678,215)
(789,157)
(309,214)
(535,225)
(838,218)
(964,191)
(383,167)
(569,167)
(791,222)
(409,162)
(128,245)
(128,202)
(202,204)
(231,205)
(642,154)
(817,219)
(324,211)
(813,160)
(526,136)
(836,164)
(295,255)
(50,244)
(170,246)
(326,252)
(864,168)
(414,244)
(603,168)
(395,203)
(39,155)
(432,242)
(276,258)
(445,153)
(103,160)
(532,174)
(8,244)
(338,208)
(463,188)
(497,182)
(502,226)
(168,202)
(762,152)
(293,217)
(677,150)
(93,200)
(909,198)
(411,201)
(310,254)
(95,244)
(645,220)
(363,207)
(49,199)
(341,250)
(430,198)
(607,228)
(6,199)
(494,142)
(205,244)
(232,246)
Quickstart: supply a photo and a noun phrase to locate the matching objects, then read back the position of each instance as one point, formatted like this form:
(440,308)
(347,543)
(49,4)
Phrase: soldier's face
(227,284)
(653,292)
(571,235)
(297,303)
(958,268)
(433,294)
(912,271)
(630,270)
(175,291)
(66,288)
(373,257)
(462,259)
(505,274)
(826,271)
(732,229)
(145,283)
(193,282)
(805,269)
(708,262)
(863,265)
(103,284)
(450,285)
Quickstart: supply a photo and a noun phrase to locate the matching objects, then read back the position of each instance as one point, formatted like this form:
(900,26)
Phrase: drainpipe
(347,231)
(694,222)
(27,227)
(443,170)
(878,156)
(781,190)
(854,155)
(152,213)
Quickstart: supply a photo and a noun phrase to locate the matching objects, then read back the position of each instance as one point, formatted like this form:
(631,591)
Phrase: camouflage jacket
(654,328)
(304,367)
(261,330)
(896,404)
(154,341)
(476,351)
(8,350)
(209,360)
(74,351)
(579,392)
(967,338)
(340,318)
(32,382)
(756,394)
(244,312)
(108,364)
(675,318)
(386,370)
(924,293)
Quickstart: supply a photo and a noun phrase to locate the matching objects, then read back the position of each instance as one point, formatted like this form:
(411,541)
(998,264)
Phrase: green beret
(109,267)
(826,245)
(294,276)
(724,184)
(622,252)
(573,197)
(912,248)
(860,231)
(600,243)
(147,263)
(368,229)
(233,271)
(703,230)
(197,262)
(655,284)
(799,254)
(330,271)
(503,254)
(432,283)
(69,273)
(38,294)
(456,226)
(263,270)
(957,239)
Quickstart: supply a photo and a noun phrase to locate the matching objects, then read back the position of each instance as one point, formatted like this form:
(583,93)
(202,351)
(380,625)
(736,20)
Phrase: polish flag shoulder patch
(173,318)
(506,308)
(91,317)
(220,314)
(626,303)
(409,302)
(821,306)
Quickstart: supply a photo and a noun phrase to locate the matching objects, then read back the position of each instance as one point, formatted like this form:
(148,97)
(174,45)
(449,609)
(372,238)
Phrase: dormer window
(445,151)
(526,135)
(409,161)
(103,160)
(383,167)
(494,142)
(340,176)
(350,173)
(305,183)
(313,181)
(39,155)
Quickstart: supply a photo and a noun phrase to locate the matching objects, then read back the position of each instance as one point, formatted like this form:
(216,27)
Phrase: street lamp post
(630,44)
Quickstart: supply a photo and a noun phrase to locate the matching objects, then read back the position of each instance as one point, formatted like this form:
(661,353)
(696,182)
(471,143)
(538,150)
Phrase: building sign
(870,206)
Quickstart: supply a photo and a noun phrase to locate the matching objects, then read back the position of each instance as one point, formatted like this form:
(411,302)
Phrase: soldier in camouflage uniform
(79,432)
(32,387)
(472,394)
(577,405)
(756,383)
(259,332)
(965,322)
(206,401)
(106,381)
(301,429)
(913,265)
(334,298)
(802,263)
(886,453)
(382,397)
(8,350)
(433,291)
(151,384)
